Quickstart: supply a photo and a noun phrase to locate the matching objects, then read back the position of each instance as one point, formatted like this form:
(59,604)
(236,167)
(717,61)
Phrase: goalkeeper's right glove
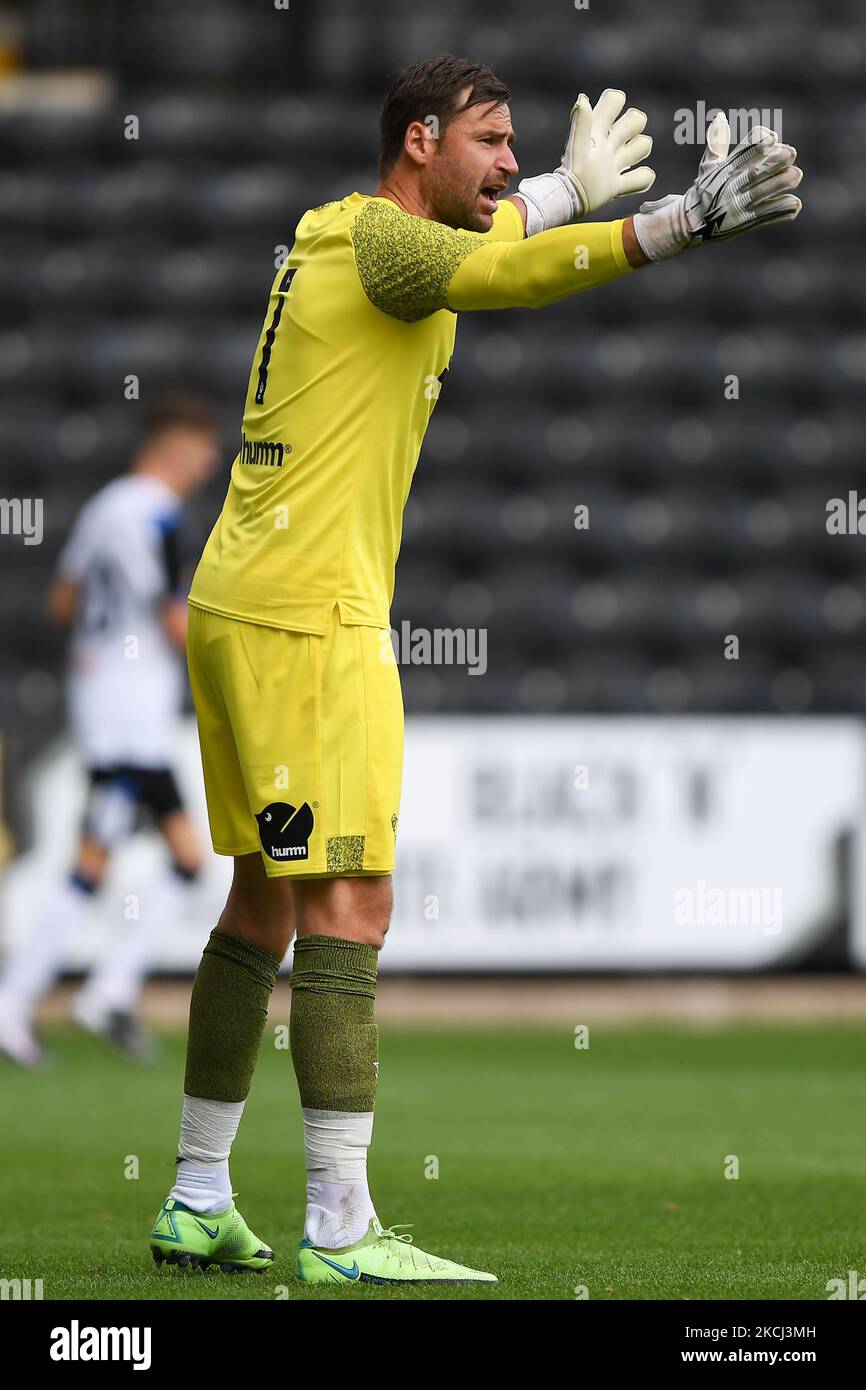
(731,194)
(596,164)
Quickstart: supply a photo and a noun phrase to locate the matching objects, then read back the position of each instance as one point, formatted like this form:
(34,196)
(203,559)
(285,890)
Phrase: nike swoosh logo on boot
(353,1273)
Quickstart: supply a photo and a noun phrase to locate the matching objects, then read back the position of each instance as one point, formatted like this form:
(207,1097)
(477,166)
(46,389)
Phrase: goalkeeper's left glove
(731,194)
(596,164)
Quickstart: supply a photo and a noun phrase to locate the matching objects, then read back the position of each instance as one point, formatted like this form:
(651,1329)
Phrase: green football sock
(334,1038)
(227,1014)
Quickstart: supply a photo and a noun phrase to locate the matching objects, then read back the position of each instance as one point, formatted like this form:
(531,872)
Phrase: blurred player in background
(118,587)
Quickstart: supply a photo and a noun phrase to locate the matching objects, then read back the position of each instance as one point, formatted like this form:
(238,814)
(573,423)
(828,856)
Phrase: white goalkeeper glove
(596,164)
(731,194)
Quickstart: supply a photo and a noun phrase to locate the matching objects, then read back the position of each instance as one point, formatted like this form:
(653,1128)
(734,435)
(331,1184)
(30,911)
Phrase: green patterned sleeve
(405,263)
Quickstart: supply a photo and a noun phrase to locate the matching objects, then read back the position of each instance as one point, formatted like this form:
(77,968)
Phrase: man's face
(471,167)
(190,455)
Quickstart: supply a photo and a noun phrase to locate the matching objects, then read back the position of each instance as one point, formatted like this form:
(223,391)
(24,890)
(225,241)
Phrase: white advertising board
(544,844)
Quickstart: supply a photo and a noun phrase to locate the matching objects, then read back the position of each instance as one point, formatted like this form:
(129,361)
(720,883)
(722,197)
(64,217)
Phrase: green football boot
(382,1257)
(195,1240)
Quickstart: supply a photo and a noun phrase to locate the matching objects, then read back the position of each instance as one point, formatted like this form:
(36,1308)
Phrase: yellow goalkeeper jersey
(359,330)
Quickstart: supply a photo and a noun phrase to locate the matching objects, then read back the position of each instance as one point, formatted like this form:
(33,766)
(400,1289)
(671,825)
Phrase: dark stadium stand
(707,516)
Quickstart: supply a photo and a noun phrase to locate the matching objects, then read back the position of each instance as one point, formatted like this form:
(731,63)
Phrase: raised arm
(410,267)
(542,269)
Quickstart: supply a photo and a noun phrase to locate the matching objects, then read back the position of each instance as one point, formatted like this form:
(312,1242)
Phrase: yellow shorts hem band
(331,873)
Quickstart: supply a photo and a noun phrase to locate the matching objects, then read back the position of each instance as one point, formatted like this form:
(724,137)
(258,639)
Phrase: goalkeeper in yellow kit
(296,690)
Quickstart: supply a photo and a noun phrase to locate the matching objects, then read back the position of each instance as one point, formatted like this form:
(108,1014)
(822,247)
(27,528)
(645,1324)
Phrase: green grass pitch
(557,1168)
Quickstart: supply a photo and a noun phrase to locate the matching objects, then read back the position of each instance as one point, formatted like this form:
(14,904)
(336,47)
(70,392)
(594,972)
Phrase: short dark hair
(431,88)
(179,410)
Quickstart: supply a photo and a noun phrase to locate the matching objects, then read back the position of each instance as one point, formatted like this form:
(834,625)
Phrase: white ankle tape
(208,1128)
(336,1144)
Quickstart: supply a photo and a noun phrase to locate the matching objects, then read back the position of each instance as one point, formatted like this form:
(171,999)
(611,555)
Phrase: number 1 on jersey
(270,335)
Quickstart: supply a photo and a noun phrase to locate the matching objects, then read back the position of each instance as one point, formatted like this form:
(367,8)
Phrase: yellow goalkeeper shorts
(301,743)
